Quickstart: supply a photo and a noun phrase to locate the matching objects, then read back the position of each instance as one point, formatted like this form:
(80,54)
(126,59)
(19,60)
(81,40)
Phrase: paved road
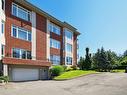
(97,84)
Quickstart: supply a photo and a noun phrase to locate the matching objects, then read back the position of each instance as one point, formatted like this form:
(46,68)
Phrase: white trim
(25,10)
(5,70)
(2,35)
(17,30)
(55,59)
(20,53)
(48,40)
(56,26)
(68,41)
(57,42)
(33,53)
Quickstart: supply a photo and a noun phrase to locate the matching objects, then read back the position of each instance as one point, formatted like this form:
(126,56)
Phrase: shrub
(124,63)
(74,67)
(56,70)
(69,69)
(4,78)
(65,67)
(121,67)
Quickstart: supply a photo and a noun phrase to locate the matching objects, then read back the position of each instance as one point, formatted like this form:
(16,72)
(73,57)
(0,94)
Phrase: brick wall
(10,20)
(41,37)
(75,50)
(41,27)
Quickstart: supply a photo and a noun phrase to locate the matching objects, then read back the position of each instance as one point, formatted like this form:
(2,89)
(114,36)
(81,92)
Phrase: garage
(25,74)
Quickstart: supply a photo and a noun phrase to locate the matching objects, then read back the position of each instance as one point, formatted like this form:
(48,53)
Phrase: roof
(48,16)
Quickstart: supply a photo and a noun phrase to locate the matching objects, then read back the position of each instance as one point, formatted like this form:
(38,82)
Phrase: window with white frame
(21,53)
(3,4)
(21,33)
(69,60)
(54,43)
(68,47)
(77,56)
(21,12)
(2,50)
(54,28)
(55,59)
(2,27)
(68,34)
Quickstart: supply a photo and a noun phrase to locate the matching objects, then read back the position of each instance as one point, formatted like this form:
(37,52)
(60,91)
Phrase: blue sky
(101,22)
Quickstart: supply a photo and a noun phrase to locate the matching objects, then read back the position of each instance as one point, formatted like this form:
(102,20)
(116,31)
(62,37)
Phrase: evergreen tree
(85,63)
(104,60)
(125,53)
(88,61)
(81,63)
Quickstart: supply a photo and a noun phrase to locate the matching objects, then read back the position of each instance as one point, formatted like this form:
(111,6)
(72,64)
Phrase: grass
(119,71)
(74,74)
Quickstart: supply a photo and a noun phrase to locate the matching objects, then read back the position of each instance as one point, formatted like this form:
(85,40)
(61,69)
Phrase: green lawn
(119,71)
(74,74)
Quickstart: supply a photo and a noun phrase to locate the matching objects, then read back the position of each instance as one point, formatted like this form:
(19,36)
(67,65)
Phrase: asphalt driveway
(97,84)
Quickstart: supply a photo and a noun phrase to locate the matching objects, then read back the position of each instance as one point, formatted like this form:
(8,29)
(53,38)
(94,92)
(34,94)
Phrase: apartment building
(31,41)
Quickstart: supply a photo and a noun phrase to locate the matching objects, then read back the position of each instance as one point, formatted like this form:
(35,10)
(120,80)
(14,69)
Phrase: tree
(113,59)
(1,73)
(85,63)
(88,62)
(125,53)
(81,63)
(104,60)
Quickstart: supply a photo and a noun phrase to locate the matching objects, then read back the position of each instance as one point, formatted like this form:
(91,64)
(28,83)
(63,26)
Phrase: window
(16,53)
(55,59)
(21,12)
(14,9)
(77,56)
(14,31)
(21,33)
(2,27)
(21,53)
(54,44)
(69,60)
(3,4)
(77,44)
(68,34)
(29,55)
(54,28)
(29,36)
(2,50)
(69,47)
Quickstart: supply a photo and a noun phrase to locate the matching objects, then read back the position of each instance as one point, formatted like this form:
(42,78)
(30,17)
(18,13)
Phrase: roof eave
(46,15)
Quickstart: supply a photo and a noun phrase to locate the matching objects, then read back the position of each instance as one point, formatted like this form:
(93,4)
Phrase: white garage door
(22,74)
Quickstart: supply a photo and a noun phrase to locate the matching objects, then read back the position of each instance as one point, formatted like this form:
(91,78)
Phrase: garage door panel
(22,74)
